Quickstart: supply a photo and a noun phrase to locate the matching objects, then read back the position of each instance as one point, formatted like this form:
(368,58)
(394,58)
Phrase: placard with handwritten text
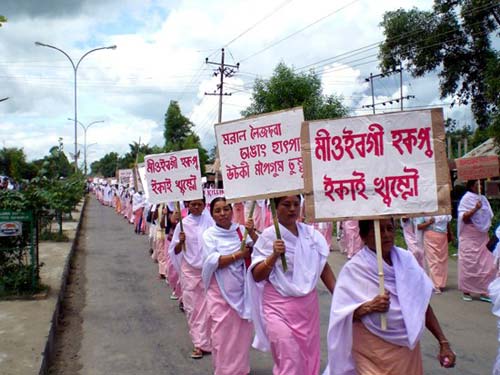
(378,165)
(260,156)
(174,176)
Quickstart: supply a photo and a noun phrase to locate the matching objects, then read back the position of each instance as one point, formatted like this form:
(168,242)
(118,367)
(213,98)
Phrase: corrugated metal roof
(484,149)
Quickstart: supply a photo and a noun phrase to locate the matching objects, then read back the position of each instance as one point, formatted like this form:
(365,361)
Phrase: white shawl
(218,241)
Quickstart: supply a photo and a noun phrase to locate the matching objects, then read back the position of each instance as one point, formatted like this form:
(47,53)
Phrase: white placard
(174,176)
(144,182)
(125,176)
(260,156)
(370,166)
(211,194)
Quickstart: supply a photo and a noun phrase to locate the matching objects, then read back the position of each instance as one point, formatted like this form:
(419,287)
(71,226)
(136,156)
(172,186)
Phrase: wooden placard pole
(479,186)
(250,215)
(278,233)
(178,208)
(380,264)
(136,170)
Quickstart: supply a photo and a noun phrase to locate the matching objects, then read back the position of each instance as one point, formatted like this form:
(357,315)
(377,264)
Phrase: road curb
(48,352)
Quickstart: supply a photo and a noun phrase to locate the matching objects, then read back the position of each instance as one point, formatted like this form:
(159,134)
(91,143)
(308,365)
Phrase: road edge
(48,352)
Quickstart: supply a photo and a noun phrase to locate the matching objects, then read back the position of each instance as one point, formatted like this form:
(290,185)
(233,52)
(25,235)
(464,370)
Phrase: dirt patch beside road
(68,336)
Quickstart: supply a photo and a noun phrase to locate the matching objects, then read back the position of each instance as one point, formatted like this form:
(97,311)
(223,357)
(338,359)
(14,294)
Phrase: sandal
(467,297)
(173,297)
(197,353)
(485,299)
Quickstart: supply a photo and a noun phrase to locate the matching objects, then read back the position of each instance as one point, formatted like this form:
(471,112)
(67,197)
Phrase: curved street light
(75,69)
(85,128)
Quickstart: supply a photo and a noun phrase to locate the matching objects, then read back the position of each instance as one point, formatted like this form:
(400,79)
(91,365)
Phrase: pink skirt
(292,327)
(476,265)
(231,335)
(195,305)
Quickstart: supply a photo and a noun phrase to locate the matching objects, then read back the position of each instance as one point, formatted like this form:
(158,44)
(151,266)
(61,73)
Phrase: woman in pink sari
(285,308)
(435,241)
(476,265)
(168,223)
(223,276)
(351,239)
(413,243)
(356,343)
(186,250)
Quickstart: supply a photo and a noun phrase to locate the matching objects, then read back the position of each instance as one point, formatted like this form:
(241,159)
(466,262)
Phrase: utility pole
(401,83)
(224,70)
(382,75)
(373,94)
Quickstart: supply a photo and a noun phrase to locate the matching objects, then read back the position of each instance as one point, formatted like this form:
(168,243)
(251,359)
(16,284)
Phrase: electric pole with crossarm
(224,70)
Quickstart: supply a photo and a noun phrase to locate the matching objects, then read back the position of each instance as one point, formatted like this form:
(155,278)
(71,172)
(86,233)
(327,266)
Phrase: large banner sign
(125,177)
(174,176)
(478,167)
(261,156)
(370,166)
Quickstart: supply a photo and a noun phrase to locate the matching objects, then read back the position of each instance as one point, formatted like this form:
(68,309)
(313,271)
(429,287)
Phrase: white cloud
(160,57)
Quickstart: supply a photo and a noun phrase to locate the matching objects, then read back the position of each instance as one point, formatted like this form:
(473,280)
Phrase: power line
(298,31)
(360,50)
(258,22)
(225,71)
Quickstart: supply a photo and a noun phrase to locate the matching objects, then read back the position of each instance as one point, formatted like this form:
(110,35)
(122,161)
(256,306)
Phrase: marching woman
(186,250)
(476,265)
(285,308)
(436,230)
(357,345)
(223,275)
(169,220)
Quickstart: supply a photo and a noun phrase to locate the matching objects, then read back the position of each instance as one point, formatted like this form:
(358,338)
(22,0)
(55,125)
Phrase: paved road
(131,327)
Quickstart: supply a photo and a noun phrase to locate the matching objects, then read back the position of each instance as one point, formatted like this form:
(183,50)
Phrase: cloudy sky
(160,56)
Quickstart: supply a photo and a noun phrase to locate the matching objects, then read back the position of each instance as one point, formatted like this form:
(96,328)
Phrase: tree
(13,164)
(193,141)
(179,134)
(177,127)
(106,166)
(212,155)
(287,89)
(3,19)
(454,38)
(55,165)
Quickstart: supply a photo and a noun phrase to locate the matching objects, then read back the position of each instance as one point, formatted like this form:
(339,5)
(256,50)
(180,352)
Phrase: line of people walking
(236,297)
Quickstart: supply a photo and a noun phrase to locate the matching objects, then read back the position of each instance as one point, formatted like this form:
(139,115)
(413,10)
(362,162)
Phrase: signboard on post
(477,168)
(173,177)
(141,171)
(211,194)
(367,167)
(260,156)
(125,177)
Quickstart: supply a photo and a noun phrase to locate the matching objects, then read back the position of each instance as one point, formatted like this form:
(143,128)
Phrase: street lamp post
(75,69)
(85,128)
(85,151)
